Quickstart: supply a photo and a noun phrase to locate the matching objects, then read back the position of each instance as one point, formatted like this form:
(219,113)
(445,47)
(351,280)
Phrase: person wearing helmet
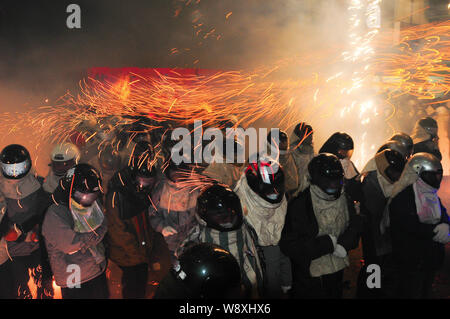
(341,145)
(108,162)
(279,149)
(227,170)
(131,240)
(418,225)
(321,227)
(380,174)
(203,271)
(302,149)
(7,290)
(396,146)
(261,191)
(221,222)
(405,140)
(74,228)
(425,137)
(174,201)
(26,203)
(63,157)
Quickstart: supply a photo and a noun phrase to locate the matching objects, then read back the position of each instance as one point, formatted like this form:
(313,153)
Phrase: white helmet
(64,156)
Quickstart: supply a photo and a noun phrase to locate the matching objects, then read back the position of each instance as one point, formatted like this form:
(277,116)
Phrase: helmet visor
(85,199)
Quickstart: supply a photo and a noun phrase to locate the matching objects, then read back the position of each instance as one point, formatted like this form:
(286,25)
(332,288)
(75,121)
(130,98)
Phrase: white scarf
(266,219)
(19,188)
(349,168)
(51,182)
(385,185)
(427,203)
(332,219)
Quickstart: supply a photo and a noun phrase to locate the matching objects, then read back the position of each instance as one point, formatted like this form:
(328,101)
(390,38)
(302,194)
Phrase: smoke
(41,59)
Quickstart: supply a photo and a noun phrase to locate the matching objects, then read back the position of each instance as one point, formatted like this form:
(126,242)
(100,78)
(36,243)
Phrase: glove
(340,251)
(13,234)
(334,240)
(442,233)
(32,237)
(168,231)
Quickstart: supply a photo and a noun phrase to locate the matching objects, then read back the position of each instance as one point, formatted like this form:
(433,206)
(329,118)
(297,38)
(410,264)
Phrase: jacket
(130,236)
(174,206)
(412,242)
(66,247)
(301,243)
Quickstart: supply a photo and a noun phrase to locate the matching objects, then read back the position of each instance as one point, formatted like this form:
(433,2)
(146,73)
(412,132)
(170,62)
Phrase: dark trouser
(278,272)
(96,288)
(6,281)
(324,287)
(134,281)
(388,279)
(415,284)
(22,266)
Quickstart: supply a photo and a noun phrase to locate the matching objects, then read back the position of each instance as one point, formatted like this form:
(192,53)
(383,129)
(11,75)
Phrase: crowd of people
(278,226)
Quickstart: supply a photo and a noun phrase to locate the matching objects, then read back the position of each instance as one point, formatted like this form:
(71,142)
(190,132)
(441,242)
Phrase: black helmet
(141,166)
(109,159)
(209,272)
(220,208)
(15,161)
(339,144)
(396,146)
(430,125)
(266,178)
(390,163)
(282,143)
(325,171)
(304,132)
(405,140)
(84,184)
(428,167)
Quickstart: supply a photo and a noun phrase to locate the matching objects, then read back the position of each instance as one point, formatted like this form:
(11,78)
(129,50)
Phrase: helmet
(209,271)
(282,142)
(84,184)
(220,208)
(428,167)
(339,144)
(405,140)
(327,173)
(141,166)
(304,131)
(15,161)
(64,156)
(430,125)
(109,159)
(390,163)
(266,178)
(396,146)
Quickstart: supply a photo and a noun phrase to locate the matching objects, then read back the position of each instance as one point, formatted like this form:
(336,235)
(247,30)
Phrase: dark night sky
(38,51)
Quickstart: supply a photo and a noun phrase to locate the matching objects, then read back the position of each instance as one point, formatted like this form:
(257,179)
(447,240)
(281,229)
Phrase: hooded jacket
(413,246)
(302,155)
(303,241)
(265,218)
(67,247)
(26,204)
(242,244)
(423,142)
(130,235)
(174,206)
(376,191)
